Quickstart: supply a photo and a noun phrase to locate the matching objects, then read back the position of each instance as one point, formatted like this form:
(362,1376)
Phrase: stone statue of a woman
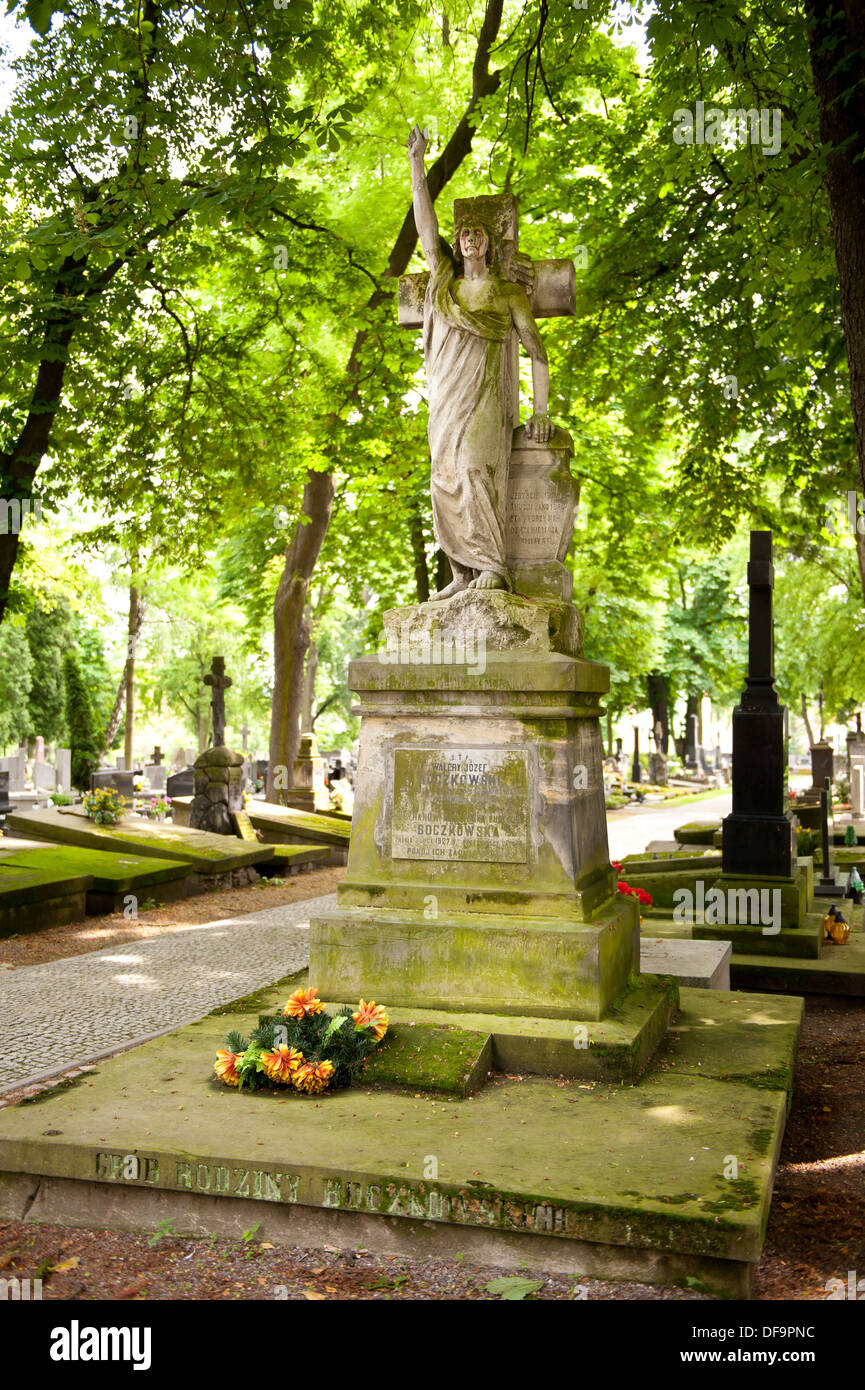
(470,313)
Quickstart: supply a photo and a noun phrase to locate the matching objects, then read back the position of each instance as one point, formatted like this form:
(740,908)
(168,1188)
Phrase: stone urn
(218,793)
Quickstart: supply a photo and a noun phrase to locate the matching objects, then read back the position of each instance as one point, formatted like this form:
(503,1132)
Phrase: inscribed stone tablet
(461,804)
(245,828)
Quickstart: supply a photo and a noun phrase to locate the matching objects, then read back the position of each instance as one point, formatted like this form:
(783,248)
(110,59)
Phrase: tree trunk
(291,631)
(807,721)
(136,613)
(307,719)
(421,569)
(837,42)
(125,688)
(658,700)
(291,634)
(860,556)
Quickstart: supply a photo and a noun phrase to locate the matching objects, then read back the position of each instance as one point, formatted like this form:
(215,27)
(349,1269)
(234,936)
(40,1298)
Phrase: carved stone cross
(244,734)
(220,682)
(550,285)
(156,756)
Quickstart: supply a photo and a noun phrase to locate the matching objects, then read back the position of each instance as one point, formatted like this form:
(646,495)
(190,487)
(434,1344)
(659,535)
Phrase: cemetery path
(631,829)
(121,996)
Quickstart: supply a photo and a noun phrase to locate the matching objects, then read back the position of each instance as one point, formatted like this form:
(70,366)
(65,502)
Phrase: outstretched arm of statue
(539,426)
(424,212)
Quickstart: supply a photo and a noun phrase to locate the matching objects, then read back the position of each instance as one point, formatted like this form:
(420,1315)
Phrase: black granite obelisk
(759,838)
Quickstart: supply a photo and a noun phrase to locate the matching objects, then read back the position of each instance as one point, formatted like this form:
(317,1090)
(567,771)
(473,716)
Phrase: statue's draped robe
(471,412)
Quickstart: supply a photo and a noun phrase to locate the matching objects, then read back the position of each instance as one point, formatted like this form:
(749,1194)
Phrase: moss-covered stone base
(428,1048)
(478,961)
(667,1180)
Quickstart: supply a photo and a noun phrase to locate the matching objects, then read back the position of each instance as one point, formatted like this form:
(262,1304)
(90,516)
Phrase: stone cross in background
(219,681)
(244,734)
(157,755)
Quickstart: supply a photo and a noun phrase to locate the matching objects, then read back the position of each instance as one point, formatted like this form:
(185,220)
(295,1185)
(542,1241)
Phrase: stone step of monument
(616,1049)
(601,1180)
(34,898)
(795,942)
(695,964)
(805,940)
(207,854)
(840,970)
(115,876)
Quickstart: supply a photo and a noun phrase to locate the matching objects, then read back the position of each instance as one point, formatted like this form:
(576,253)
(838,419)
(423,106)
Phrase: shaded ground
(95,933)
(816,1228)
(817,1223)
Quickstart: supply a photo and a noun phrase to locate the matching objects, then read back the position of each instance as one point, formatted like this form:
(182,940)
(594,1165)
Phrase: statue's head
(473,239)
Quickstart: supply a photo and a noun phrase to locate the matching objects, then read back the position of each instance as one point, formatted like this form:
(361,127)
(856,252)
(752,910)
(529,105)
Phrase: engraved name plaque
(461,804)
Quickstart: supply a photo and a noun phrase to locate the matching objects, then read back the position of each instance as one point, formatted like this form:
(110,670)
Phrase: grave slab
(593,1179)
(699,964)
(207,854)
(114,876)
(31,898)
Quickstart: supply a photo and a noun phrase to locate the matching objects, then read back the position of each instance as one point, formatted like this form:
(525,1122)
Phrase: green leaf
(514,1288)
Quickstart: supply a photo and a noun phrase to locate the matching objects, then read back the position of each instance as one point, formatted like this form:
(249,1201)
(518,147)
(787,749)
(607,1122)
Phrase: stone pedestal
(308,791)
(218,791)
(478,873)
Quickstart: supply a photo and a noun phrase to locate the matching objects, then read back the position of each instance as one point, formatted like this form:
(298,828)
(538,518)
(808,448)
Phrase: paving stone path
(122,995)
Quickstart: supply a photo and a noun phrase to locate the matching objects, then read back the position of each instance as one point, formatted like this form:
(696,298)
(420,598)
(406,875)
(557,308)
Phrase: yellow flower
(372,1016)
(225,1066)
(282,1062)
(313,1077)
(302,1002)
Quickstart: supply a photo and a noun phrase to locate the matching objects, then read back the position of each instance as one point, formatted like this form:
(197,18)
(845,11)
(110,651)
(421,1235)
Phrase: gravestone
(5,804)
(244,737)
(44,777)
(113,777)
(218,778)
(157,756)
(691,760)
(637,769)
(39,755)
(759,837)
(63,764)
(479,851)
(120,762)
(156,776)
(308,791)
(181,783)
(822,764)
(16,767)
(856,769)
